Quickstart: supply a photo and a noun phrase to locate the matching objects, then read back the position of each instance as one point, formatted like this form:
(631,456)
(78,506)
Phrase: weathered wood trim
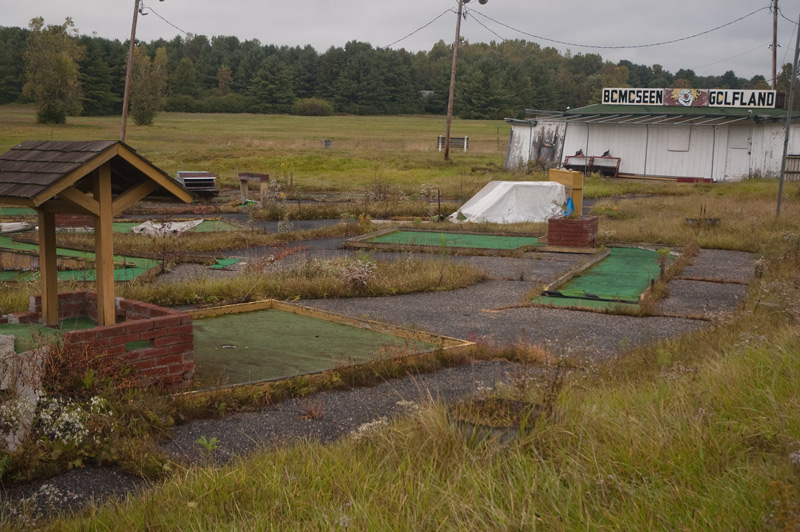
(17,202)
(104,247)
(73,177)
(171,186)
(84,201)
(132,195)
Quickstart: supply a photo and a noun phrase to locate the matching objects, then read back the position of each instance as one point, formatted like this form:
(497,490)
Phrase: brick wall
(74,220)
(167,356)
(572,232)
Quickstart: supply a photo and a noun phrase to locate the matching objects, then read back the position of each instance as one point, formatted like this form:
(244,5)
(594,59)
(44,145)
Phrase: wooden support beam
(104,247)
(84,201)
(48,267)
(59,206)
(132,195)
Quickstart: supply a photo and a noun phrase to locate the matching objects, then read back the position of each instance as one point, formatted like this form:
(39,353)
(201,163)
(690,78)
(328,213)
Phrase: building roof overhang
(657,115)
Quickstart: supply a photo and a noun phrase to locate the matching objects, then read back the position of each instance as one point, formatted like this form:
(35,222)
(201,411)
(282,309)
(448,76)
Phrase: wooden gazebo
(101,178)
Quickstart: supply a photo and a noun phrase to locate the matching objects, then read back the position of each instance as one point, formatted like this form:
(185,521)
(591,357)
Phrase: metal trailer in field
(699,143)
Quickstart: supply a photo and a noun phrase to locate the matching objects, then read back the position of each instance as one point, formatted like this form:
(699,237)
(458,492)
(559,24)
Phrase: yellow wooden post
(48,268)
(104,247)
(573,181)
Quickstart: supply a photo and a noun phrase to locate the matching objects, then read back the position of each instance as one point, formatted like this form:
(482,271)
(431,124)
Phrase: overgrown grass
(399,148)
(303,279)
(311,278)
(187,245)
(709,449)
(745,223)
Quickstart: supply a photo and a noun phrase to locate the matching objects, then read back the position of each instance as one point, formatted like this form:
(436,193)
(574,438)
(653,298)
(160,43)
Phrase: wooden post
(48,267)
(243,189)
(264,191)
(104,247)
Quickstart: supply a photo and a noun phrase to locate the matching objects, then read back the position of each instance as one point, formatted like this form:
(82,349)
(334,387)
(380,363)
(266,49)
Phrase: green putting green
(620,278)
(136,266)
(270,344)
(17,211)
(28,336)
(456,240)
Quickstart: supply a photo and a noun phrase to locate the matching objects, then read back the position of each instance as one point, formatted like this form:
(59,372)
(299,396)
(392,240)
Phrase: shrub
(181,103)
(312,107)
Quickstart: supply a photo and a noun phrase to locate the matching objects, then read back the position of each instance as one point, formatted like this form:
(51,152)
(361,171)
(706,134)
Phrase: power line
(443,13)
(487,28)
(760,46)
(627,47)
(167,21)
(786,18)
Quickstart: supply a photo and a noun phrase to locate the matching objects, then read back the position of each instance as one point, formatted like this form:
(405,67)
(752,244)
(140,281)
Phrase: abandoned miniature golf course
(239,345)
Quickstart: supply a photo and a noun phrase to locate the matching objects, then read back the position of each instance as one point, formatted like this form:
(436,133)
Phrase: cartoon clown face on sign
(685,97)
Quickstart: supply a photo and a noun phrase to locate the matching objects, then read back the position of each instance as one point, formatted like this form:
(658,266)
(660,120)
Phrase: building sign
(633,96)
(743,98)
(751,99)
(686,97)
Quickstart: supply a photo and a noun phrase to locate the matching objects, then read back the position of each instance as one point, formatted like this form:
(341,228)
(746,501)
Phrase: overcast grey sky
(741,47)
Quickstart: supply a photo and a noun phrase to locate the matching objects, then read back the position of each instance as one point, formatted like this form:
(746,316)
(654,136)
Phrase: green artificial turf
(270,344)
(456,240)
(138,266)
(620,278)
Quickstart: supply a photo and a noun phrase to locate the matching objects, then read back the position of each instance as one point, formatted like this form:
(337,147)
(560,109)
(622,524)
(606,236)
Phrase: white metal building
(722,143)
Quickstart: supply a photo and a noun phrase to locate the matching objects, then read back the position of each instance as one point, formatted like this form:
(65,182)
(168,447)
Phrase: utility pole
(128,72)
(452,82)
(788,127)
(774,43)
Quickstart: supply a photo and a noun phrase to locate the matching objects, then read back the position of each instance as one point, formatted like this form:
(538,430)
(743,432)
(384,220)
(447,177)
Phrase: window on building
(678,139)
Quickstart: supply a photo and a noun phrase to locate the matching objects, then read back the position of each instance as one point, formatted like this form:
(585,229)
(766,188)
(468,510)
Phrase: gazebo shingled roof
(101,178)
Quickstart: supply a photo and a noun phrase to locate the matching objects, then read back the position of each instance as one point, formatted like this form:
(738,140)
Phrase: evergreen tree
(271,88)
(224,79)
(184,79)
(51,61)
(482,92)
(12,69)
(147,84)
(96,81)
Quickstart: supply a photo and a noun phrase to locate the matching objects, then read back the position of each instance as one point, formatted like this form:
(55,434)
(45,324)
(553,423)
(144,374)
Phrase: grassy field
(400,150)
(700,432)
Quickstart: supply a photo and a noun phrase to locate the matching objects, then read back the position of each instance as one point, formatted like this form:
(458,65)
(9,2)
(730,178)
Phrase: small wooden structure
(573,181)
(101,178)
(263,179)
(455,142)
(203,184)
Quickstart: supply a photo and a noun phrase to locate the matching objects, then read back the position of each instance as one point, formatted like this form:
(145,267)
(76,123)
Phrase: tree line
(224,74)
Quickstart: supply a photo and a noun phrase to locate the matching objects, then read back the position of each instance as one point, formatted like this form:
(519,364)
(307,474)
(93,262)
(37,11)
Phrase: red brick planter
(156,341)
(580,232)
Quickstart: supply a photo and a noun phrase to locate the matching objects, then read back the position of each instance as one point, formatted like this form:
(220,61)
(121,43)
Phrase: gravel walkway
(342,412)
